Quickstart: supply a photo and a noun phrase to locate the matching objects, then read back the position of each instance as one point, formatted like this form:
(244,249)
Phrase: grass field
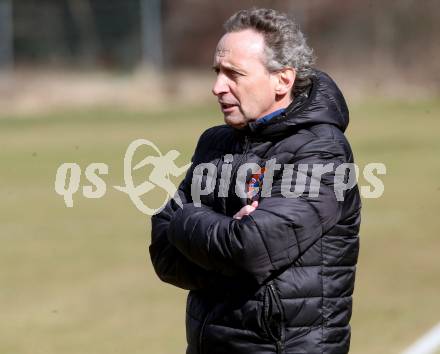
(80,281)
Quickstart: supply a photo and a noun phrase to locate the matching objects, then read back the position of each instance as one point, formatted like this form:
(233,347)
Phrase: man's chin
(234,121)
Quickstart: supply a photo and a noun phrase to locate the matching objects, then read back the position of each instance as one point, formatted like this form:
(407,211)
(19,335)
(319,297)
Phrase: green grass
(79,280)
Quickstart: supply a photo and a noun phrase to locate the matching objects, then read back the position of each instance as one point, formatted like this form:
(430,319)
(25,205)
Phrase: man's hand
(246,210)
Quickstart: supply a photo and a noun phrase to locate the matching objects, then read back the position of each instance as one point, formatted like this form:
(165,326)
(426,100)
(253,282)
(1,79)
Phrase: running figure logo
(163,167)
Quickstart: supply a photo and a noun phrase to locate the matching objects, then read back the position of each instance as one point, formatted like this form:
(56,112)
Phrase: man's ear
(285,80)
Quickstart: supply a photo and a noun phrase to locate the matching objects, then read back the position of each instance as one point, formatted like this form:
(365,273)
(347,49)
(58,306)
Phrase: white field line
(428,344)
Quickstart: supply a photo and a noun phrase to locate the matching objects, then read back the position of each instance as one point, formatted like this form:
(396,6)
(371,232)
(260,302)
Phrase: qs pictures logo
(68,177)
(294,180)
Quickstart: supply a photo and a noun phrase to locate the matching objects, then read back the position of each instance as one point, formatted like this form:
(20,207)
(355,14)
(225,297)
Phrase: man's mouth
(227,107)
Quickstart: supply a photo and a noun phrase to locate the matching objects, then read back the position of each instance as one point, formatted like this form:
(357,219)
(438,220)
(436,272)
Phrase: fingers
(246,210)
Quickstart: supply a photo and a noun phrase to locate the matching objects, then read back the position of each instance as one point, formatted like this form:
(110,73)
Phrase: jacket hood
(323,102)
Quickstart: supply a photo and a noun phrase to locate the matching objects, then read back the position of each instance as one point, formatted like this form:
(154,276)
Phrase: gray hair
(285,44)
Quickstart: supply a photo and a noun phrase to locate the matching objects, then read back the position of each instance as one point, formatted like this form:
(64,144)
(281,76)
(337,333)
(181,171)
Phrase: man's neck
(275,111)
(271,115)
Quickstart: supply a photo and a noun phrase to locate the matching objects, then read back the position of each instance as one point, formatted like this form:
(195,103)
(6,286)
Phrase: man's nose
(220,85)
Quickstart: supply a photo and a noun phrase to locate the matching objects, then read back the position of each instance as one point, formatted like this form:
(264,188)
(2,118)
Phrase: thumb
(254,204)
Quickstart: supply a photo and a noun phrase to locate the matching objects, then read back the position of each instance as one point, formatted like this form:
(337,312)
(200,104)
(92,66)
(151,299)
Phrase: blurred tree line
(116,34)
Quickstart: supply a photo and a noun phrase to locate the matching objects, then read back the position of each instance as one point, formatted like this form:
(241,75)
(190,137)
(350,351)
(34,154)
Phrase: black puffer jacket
(281,279)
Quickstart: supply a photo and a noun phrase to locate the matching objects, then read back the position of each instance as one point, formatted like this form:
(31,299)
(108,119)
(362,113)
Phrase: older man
(270,270)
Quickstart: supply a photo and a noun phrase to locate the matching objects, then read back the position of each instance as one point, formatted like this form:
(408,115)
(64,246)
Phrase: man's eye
(230,73)
(233,74)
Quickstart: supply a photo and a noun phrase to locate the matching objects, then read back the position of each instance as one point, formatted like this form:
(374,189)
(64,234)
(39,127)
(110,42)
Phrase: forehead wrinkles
(222,51)
(243,49)
(238,56)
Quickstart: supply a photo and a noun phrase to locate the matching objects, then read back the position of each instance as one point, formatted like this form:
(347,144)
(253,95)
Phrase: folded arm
(272,236)
(169,263)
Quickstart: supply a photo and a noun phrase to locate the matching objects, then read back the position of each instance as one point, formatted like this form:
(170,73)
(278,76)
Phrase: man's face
(244,88)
